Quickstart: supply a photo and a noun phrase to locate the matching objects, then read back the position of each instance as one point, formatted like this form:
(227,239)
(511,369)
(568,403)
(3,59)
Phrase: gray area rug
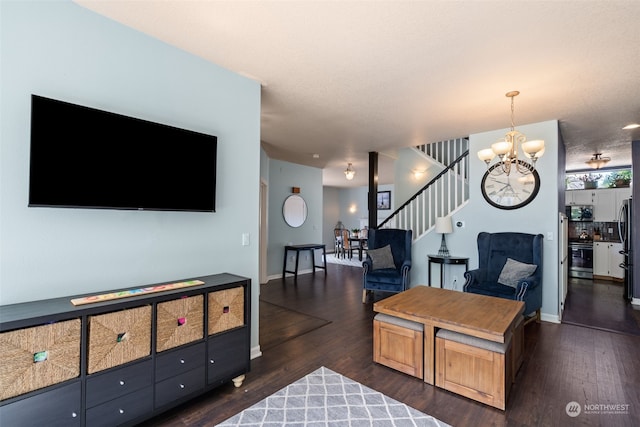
(354,262)
(326,398)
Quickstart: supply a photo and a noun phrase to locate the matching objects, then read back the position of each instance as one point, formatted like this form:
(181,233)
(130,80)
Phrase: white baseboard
(279,276)
(551,318)
(635,302)
(255,352)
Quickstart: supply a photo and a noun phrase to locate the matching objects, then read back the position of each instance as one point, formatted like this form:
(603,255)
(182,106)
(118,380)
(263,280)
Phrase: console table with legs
(306,247)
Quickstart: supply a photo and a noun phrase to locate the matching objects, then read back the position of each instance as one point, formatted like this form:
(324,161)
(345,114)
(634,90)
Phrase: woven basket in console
(20,373)
(119,337)
(226,309)
(180,321)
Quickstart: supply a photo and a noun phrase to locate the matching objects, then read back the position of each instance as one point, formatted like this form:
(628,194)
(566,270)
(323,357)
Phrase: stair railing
(439,197)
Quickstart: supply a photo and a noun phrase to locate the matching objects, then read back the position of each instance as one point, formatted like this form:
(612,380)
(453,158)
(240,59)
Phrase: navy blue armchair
(493,251)
(388,261)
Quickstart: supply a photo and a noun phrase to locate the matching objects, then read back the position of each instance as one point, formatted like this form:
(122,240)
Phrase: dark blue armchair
(493,251)
(383,271)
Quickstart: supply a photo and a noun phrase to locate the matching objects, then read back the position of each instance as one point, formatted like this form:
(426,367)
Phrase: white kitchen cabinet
(606,202)
(600,259)
(604,205)
(607,259)
(579,197)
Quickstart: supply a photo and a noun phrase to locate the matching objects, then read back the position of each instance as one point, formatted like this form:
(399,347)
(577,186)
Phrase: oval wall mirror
(294,211)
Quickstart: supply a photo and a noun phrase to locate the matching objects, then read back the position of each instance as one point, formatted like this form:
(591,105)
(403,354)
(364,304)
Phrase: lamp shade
(444,225)
(532,147)
(486,155)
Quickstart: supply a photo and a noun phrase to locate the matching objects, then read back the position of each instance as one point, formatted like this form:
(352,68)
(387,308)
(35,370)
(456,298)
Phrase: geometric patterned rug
(326,398)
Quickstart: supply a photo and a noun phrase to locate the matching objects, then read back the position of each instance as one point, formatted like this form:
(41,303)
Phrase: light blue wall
(282,177)
(406,183)
(540,216)
(330,215)
(353,209)
(61,50)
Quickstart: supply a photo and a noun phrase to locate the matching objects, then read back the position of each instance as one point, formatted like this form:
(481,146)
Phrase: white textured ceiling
(342,78)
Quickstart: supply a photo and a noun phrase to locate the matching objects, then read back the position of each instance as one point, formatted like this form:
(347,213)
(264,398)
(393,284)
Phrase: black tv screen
(82,157)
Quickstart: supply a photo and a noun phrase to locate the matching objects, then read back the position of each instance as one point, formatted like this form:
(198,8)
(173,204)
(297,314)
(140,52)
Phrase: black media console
(121,361)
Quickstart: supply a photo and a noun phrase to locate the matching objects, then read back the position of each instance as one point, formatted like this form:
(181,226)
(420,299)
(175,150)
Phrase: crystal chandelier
(349,173)
(507,148)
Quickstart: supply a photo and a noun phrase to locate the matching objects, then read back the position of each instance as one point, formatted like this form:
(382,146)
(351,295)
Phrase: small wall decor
(384,200)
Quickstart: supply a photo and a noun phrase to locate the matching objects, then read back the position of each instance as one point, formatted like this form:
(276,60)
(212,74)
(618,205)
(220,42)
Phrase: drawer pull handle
(121,411)
(73,415)
(182,361)
(212,361)
(181,385)
(121,382)
(40,356)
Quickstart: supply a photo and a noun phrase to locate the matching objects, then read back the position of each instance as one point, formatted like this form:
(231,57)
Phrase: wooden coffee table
(480,316)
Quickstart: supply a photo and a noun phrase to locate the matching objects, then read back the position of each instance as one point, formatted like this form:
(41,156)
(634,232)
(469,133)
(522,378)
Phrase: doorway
(264,227)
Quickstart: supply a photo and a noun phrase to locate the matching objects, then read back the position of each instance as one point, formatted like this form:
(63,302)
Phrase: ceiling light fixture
(507,148)
(349,172)
(631,126)
(597,161)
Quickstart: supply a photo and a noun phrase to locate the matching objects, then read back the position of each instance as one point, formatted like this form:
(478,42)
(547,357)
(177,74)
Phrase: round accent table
(442,261)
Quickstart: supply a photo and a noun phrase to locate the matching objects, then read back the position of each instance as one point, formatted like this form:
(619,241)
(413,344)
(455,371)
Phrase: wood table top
(472,314)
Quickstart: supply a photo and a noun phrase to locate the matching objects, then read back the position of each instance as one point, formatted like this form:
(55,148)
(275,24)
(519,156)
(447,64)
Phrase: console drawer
(226,310)
(40,356)
(110,385)
(227,356)
(57,407)
(180,321)
(121,410)
(175,388)
(180,360)
(118,337)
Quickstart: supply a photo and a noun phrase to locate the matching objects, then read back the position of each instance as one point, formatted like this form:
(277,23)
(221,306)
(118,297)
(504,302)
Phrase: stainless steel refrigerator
(625,227)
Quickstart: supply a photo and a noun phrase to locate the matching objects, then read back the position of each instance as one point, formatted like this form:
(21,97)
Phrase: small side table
(443,260)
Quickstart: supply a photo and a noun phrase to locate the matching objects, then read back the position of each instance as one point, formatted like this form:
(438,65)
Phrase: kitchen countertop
(576,240)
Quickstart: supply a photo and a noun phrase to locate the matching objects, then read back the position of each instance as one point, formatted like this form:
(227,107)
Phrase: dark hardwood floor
(599,304)
(563,363)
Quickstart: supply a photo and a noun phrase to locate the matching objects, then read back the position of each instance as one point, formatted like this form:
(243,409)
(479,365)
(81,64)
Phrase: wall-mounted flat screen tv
(82,157)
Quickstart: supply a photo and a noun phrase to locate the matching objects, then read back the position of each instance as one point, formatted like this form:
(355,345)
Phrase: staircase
(443,195)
